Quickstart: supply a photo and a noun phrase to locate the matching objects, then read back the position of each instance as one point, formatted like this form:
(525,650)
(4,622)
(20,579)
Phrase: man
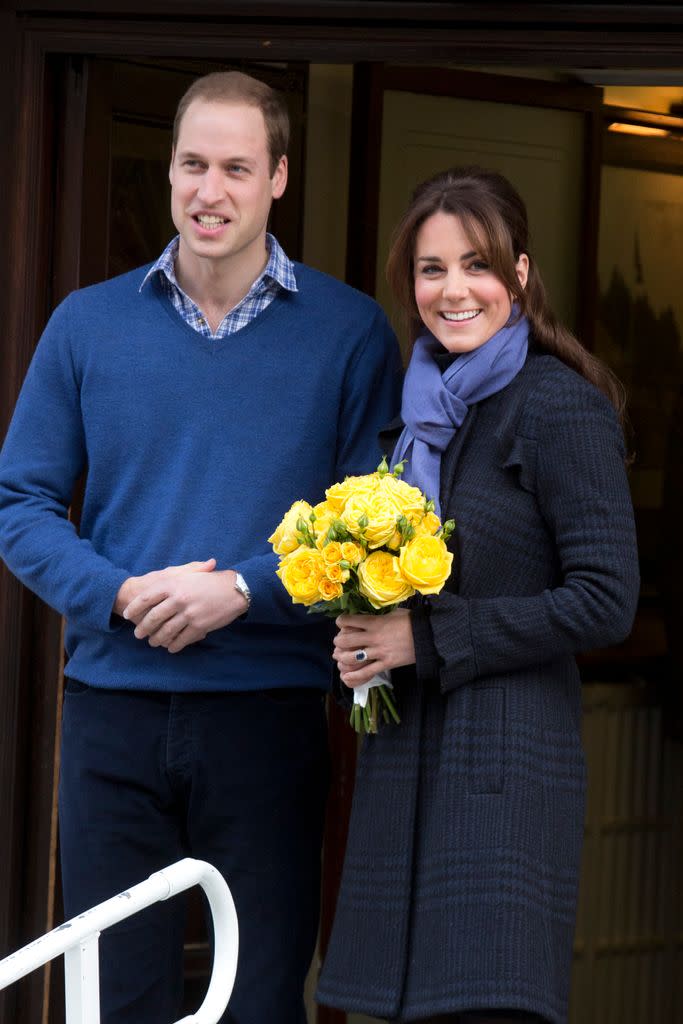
(204,394)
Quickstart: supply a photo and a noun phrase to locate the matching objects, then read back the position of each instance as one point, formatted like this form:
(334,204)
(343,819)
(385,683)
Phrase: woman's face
(458,298)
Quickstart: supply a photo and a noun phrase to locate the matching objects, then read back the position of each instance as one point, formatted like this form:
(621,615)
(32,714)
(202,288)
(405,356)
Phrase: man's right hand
(131,587)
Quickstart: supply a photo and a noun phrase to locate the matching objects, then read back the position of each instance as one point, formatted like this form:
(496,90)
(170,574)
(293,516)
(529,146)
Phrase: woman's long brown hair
(494,218)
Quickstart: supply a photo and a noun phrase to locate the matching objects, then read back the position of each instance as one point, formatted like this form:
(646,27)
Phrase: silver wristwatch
(242,588)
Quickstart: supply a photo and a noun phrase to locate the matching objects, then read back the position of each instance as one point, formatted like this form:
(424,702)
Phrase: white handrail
(78,939)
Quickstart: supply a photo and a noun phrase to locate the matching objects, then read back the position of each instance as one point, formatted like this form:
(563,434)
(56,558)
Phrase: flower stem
(372,701)
(384,693)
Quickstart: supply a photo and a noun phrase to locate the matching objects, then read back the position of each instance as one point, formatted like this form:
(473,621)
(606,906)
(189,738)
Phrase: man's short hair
(236,87)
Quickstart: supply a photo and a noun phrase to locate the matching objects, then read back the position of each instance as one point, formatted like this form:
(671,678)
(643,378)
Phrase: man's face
(221,185)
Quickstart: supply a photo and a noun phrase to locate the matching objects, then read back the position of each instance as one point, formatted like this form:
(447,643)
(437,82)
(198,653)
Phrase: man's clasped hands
(179,605)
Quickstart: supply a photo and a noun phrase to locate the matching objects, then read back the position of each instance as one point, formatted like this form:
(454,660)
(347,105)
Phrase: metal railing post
(82,981)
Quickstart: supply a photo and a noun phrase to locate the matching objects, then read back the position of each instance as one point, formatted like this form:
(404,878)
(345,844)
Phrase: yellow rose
(330,590)
(285,539)
(395,541)
(332,552)
(324,517)
(426,563)
(410,500)
(380,580)
(338,494)
(381,513)
(428,525)
(301,573)
(336,573)
(351,553)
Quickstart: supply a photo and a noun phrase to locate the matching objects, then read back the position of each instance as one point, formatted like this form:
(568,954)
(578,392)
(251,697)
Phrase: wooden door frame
(558,36)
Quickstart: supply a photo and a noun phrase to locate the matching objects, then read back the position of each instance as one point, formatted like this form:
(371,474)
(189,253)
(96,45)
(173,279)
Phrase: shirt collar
(279,267)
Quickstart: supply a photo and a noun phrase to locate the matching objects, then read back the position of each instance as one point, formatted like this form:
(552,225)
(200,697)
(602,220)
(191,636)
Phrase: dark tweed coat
(460,879)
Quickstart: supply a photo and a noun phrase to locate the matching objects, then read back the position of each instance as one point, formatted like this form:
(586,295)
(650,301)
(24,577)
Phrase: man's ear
(279,179)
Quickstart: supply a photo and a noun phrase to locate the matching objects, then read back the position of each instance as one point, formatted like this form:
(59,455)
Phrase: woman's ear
(522,269)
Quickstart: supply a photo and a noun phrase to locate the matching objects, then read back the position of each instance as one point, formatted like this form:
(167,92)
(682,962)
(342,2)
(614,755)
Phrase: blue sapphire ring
(361,655)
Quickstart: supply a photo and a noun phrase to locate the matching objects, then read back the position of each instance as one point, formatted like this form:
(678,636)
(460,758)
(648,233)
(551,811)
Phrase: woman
(458,896)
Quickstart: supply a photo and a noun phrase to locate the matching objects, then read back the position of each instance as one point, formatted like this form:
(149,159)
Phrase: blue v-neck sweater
(194,449)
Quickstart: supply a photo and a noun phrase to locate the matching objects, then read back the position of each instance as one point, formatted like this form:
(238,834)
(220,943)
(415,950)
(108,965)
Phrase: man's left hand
(182,609)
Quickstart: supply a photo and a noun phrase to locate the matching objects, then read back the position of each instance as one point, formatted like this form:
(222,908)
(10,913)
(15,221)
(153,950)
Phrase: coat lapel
(450,458)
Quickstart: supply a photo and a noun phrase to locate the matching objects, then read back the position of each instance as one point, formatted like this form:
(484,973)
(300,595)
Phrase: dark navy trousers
(237,779)
(485,1017)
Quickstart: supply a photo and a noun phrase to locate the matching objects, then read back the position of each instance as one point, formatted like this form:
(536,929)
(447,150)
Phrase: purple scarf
(435,404)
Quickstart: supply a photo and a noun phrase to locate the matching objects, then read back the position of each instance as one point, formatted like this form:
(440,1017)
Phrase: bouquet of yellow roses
(372,543)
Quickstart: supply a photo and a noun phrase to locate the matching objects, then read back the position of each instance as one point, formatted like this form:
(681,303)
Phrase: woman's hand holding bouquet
(370,545)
